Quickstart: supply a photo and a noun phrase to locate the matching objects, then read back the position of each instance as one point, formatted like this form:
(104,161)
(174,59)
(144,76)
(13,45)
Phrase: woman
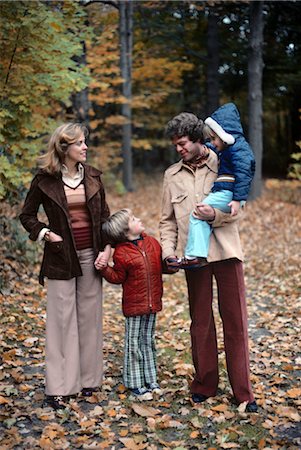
(73,198)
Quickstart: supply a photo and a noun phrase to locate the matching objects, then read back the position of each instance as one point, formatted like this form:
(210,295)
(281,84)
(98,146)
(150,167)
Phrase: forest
(63,60)
(124,68)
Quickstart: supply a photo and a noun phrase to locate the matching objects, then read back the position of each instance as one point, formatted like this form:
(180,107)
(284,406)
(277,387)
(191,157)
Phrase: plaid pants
(139,366)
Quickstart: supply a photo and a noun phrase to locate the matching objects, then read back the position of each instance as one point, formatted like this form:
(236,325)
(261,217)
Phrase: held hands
(102,259)
(170,264)
(234,205)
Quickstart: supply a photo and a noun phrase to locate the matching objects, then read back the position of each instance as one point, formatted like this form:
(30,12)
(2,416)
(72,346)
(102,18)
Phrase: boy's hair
(185,124)
(115,229)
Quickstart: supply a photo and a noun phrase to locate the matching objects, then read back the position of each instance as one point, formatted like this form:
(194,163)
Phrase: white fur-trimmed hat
(221,133)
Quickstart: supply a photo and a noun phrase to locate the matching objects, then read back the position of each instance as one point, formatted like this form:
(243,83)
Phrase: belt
(228,178)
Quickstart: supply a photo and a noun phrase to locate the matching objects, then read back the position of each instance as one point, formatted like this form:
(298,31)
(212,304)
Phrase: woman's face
(77,152)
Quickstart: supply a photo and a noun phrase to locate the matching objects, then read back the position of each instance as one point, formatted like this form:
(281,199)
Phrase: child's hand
(102,259)
(204,151)
(234,205)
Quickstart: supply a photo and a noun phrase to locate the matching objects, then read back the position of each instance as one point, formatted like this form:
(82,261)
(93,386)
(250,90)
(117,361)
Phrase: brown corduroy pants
(232,308)
(74,331)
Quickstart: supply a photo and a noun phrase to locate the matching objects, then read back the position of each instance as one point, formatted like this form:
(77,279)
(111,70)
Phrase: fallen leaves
(145,411)
(109,419)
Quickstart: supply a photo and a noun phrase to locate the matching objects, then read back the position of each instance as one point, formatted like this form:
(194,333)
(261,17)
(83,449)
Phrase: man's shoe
(88,392)
(56,401)
(252,407)
(141,394)
(199,398)
(195,263)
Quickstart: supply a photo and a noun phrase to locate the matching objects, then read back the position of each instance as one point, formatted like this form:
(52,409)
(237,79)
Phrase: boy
(138,267)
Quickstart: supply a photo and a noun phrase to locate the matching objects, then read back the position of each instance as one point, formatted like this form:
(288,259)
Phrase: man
(186,184)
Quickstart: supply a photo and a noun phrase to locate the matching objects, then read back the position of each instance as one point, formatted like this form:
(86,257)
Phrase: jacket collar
(53,187)
(91,181)
(211,163)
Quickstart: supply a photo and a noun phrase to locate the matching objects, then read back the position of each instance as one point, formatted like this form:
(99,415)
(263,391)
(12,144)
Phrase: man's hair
(116,228)
(185,124)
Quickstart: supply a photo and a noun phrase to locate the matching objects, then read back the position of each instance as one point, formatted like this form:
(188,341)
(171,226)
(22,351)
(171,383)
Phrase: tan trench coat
(182,189)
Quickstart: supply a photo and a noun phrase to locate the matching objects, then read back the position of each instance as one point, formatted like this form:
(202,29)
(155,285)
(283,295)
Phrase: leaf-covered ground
(271,235)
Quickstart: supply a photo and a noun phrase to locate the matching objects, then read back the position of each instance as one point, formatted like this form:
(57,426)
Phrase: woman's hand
(53,237)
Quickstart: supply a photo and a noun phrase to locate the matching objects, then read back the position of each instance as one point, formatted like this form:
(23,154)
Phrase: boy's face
(187,149)
(217,142)
(135,226)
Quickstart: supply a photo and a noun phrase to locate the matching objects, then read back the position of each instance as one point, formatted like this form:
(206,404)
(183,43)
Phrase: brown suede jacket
(60,259)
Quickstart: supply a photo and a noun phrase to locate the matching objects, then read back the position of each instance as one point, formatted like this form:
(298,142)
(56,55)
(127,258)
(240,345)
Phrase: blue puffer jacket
(236,159)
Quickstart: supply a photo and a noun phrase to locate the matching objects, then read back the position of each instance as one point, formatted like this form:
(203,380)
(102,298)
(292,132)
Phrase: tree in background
(126,56)
(38,73)
(255,68)
(155,79)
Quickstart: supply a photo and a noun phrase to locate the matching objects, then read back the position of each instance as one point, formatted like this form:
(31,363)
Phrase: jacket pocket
(56,255)
(180,205)
(56,247)
(178,198)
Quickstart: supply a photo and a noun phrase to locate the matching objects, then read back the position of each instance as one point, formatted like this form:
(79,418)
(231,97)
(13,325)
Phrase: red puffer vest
(139,269)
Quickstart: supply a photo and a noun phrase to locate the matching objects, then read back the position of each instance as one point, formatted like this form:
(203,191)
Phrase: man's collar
(211,162)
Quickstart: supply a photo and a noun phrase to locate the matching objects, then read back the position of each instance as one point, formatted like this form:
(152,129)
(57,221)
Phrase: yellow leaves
(294,393)
(184,368)
(87,424)
(194,434)
(56,26)
(134,443)
(97,411)
(3,400)
(116,120)
(145,411)
(288,412)
(100,423)
(53,436)
(220,408)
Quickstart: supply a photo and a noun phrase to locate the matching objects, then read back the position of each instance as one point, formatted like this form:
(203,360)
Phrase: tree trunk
(255,69)
(126,45)
(213,63)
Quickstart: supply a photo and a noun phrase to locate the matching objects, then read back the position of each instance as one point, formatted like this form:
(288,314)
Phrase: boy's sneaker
(155,388)
(141,394)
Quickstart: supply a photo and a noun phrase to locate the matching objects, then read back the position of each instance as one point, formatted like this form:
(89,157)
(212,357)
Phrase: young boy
(138,267)
(231,188)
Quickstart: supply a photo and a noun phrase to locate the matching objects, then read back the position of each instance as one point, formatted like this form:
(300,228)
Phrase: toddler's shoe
(141,394)
(155,388)
(195,263)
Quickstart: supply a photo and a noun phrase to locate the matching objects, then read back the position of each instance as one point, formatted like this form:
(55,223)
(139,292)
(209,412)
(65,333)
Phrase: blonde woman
(73,198)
